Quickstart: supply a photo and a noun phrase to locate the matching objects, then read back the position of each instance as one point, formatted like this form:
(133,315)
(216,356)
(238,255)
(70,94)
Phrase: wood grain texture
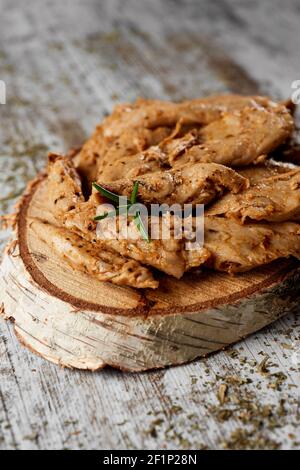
(65,65)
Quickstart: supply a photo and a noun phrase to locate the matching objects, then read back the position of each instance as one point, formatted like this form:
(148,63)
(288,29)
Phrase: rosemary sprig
(141,227)
(119,210)
(134,193)
(123,209)
(106,193)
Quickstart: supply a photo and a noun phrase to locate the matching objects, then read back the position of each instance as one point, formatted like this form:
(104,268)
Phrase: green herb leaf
(141,227)
(123,209)
(133,196)
(106,214)
(119,210)
(106,193)
(101,217)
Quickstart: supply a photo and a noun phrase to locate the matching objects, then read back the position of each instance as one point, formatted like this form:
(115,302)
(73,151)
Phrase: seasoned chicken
(168,255)
(238,248)
(237,138)
(195,184)
(274,199)
(103,265)
(177,153)
(267,169)
(133,165)
(99,154)
(63,185)
(132,129)
(151,114)
(64,189)
(232,246)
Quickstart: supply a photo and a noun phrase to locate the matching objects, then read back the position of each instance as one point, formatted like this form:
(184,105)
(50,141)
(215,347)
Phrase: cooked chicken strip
(267,169)
(64,193)
(175,151)
(239,138)
(167,255)
(273,199)
(99,155)
(132,129)
(83,255)
(133,165)
(151,114)
(238,248)
(195,184)
(63,185)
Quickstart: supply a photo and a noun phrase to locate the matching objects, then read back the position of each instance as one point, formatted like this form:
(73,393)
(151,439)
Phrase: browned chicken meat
(228,245)
(64,190)
(152,114)
(134,129)
(274,199)
(177,153)
(236,138)
(195,184)
(104,265)
(238,248)
(63,184)
(267,169)
(167,255)
(242,137)
(122,236)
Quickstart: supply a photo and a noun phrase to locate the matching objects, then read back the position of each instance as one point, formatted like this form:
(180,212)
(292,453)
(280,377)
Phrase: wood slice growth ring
(77,321)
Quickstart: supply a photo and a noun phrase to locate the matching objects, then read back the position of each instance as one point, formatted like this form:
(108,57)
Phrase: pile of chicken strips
(226,152)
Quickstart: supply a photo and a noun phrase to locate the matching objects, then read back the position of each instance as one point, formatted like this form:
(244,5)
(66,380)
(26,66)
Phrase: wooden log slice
(74,320)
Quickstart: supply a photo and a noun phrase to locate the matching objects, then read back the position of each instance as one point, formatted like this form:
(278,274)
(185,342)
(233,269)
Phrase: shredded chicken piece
(121,235)
(273,199)
(132,129)
(99,155)
(63,184)
(239,138)
(133,165)
(238,248)
(177,151)
(267,169)
(64,189)
(104,265)
(151,114)
(65,197)
(195,184)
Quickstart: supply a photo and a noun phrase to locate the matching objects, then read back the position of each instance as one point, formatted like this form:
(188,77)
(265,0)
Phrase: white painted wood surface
(65,64)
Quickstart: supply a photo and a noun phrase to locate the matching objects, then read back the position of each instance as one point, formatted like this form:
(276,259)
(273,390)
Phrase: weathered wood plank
(65,66)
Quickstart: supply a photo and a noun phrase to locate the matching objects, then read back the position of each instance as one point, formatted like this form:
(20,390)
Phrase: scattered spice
(243,439)
(279,377)
(31,437)
(262,366)
(222,393)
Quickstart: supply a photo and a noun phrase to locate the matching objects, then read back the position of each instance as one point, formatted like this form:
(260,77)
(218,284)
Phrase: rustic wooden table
(65,65)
